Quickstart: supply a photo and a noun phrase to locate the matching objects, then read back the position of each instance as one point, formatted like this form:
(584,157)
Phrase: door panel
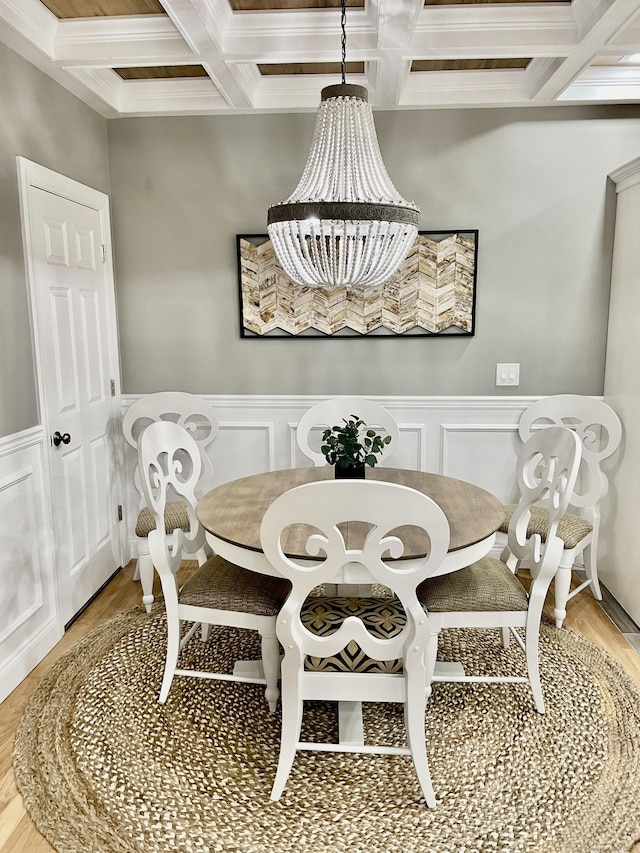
(74,313)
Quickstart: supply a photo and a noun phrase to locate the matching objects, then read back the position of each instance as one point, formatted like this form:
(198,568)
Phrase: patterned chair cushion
(484,586)
(383,618)
(571,528)
(175,515)
(222,585)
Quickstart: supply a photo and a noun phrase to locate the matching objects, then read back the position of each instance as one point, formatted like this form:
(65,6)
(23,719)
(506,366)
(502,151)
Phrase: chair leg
(145,567)
(533,667)
(291,724)
(510,560)
(561,586)
(430,658)
(590,558)
(506,637)
(171,660)
(202,556)
(271,663)
(414,726)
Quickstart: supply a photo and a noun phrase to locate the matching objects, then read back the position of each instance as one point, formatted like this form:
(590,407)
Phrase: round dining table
(232,513)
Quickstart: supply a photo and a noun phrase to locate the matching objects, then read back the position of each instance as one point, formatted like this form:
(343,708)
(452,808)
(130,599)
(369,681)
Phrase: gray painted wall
(533,181)
(41,121)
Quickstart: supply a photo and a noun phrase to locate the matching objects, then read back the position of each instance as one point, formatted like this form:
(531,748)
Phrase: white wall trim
(446,429)
(32,625)
(280,401)
(26,438)
(626,176)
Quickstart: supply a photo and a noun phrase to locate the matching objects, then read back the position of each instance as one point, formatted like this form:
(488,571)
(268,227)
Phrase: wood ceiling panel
(64,9)
(269,5)
(467,64)
(285,68)
(161,72)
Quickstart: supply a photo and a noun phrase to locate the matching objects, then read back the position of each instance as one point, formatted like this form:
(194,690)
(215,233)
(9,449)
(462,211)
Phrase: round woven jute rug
(103,767)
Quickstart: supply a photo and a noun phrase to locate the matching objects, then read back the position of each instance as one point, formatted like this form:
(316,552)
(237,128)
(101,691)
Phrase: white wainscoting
(30,625)
(471,438)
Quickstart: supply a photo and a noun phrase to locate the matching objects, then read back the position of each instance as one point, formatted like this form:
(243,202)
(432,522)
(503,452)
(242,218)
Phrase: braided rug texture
(104,768)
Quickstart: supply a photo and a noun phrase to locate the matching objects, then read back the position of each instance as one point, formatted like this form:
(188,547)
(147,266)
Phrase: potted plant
(351,446)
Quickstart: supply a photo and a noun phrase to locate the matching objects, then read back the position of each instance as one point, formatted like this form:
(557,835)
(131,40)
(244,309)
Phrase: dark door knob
(61,439)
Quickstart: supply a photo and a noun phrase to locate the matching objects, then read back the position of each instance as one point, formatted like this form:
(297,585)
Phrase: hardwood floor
(19,835)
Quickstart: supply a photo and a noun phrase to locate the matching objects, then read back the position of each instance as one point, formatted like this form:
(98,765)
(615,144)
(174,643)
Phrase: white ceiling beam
(283,33)
(32,21)
(391,79)
(561,74)
(230,85)
(599,21)
(396,23)
(101,41)
(479,31)
(604,83)
(196,24)
(465,88)
(172,97)
(628,39)
(104,84)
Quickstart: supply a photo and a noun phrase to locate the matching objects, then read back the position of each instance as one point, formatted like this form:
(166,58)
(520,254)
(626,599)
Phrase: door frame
(33,175)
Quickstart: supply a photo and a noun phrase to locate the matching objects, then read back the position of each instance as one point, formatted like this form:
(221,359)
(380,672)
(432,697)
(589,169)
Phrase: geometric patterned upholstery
(571,528)
(222,585)
(383,618)
(485,586)
(175,515)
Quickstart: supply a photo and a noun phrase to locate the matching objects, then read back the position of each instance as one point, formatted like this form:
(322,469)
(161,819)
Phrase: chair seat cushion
(175,515)
(572,529)
(383,617)
(485,586)
(221,585)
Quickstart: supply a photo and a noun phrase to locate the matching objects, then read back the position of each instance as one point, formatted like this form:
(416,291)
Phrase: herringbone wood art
(432,293)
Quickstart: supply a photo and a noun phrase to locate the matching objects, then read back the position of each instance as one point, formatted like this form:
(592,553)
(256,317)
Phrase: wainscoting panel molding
(31,624)
(484,454)
(472,438)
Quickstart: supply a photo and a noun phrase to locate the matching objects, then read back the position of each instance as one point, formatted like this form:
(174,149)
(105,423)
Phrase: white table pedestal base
(350,726)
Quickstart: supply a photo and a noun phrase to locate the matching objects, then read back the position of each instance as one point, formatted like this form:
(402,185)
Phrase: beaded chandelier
(345,224)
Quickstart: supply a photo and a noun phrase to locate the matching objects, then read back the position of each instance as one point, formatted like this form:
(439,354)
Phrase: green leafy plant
(352,444)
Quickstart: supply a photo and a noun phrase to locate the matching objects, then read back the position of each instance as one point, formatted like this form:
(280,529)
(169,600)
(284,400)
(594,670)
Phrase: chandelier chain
(343,25)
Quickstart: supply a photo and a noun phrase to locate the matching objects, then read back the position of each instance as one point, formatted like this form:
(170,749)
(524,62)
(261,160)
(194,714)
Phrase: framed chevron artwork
(432,294)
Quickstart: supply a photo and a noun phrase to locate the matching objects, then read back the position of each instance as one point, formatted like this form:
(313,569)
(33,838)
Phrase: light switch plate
(507,374)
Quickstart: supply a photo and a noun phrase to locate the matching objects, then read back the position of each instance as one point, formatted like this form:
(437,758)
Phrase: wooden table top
(233,512)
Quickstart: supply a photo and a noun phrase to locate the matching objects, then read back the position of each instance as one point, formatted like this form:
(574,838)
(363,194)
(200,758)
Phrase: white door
(67,245)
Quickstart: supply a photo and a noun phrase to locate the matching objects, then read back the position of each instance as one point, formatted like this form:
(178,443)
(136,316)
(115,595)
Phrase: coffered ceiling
(163,57)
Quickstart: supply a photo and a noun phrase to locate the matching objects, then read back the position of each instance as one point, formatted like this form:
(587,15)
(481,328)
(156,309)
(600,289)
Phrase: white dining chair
(350,649)
(330,412)
(487,594)
(600,432)
(201,420)
(218,592)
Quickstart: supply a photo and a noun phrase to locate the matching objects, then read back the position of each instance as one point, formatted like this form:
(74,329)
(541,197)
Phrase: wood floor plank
(17,832)
(12,814)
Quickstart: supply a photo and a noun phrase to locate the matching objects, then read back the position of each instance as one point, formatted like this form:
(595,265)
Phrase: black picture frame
(436,285)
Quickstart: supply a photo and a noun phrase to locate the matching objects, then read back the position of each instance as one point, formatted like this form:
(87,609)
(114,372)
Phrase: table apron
(351,573)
